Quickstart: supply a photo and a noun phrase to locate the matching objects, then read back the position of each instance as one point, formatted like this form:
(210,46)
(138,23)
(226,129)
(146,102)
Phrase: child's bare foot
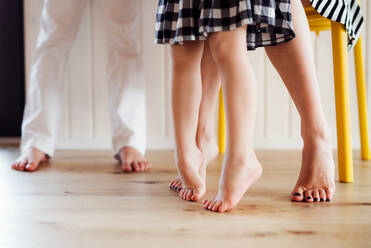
(132,160)
(30,160)
(190,168)
(209,151)
(316,181)
(237,176)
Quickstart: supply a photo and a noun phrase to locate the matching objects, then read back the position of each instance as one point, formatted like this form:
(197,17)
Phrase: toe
(143,166)
(329,194)
(315,196)
(173,183)
(136,166)
(212,204)
(126,167)
(188,195)
(181,193)
(297,194)
(21,165)
(184,194)
(207,203)
(308,196)
(14,165)
(198,193)
(223,207)
(216,206)
(148,165)
(178,186)
(322,195)
(31,166)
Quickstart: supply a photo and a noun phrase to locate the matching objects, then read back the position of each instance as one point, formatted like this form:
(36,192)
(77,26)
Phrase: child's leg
(241,167)
(294,61)
(205,138)
(186,98)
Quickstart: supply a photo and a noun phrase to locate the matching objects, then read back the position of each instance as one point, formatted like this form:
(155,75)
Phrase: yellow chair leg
(341,76)
(362,102)
(222,127)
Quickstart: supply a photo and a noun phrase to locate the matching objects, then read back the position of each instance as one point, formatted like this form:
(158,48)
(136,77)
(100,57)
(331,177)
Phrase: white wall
(85,123)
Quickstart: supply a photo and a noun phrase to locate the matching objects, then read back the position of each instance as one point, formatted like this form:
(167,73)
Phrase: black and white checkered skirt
(268,21)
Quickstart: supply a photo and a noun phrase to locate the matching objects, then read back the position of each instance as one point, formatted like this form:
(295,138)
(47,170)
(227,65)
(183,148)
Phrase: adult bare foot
(30,160)
(132,160)
(190,168)
(316,181)
(238,174)
(209,149)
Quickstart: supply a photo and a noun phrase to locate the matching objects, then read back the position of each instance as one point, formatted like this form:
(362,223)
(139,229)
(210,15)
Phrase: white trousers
(60,21)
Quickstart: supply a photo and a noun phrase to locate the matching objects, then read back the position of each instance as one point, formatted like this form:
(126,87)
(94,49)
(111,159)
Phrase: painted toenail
(327,199)
(315,199)
(308,197)
(322,199)
(297,194)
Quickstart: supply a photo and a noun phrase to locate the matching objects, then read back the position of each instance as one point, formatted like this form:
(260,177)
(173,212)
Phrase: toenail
(308,197)
(315,199)
(297,194)
(322,199)
(327,199)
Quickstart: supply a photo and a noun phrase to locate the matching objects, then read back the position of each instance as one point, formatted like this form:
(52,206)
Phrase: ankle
(315,134)
(203,138)
(186,153)
(240,158)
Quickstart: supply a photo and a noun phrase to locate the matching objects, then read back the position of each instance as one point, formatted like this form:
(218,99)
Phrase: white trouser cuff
(44,144)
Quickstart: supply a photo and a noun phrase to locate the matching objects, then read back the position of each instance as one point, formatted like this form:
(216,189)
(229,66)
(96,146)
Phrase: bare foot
(190,168)
(316,181)
(237,176)
(30,160)
(209,151)
(132,160)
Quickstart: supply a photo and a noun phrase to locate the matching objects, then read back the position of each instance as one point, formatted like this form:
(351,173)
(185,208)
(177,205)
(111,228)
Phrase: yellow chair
(341,77)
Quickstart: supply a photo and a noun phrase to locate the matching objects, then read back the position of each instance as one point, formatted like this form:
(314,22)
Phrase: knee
(220,48)
(55,38)
(186,55)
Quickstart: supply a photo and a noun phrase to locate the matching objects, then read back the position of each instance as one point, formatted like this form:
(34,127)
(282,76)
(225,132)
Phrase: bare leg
(294,62)
(241,167)
(205,137)
(186,98)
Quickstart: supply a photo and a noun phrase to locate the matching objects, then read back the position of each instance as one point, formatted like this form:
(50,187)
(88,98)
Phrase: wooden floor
(82,199)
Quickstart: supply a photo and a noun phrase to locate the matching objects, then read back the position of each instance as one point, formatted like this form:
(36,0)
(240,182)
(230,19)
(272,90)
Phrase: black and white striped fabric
(269,21)
(346,12)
